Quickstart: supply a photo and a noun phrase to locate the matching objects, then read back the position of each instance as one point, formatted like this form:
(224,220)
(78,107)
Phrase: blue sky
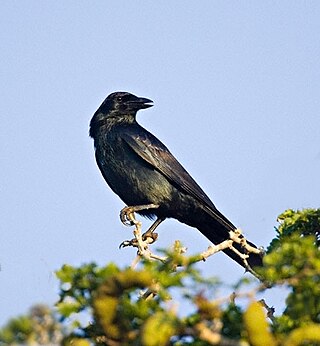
(236,88)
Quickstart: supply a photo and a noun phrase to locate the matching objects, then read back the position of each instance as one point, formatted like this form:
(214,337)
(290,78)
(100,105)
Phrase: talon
(127,216)
(150,237)
(126,243)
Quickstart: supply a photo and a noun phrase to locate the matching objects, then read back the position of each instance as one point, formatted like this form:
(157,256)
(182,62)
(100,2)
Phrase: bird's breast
(133,179)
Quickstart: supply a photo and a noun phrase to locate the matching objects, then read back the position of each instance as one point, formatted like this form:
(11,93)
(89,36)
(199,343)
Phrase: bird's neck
(100,122)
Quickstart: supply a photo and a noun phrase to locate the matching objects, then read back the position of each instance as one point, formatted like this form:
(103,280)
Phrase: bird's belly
(135,182)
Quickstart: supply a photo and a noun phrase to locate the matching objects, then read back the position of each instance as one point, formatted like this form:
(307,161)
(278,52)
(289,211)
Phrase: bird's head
(118,107)
(124,102)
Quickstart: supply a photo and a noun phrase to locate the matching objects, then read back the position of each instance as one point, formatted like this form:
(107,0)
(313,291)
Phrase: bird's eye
(119,98)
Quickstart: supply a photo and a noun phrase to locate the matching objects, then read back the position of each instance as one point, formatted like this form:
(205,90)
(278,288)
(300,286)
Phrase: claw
(126,243)
(141,241)
(127,216)
(149,237)
(127,213)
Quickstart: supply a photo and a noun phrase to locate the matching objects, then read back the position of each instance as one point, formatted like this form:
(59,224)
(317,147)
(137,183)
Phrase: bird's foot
(127,216)
(140,241)
(147,238)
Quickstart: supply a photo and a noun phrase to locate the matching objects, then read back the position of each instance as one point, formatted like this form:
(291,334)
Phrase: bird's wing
(157,154)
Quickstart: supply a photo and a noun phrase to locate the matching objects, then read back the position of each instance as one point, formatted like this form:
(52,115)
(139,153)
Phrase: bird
(141,170)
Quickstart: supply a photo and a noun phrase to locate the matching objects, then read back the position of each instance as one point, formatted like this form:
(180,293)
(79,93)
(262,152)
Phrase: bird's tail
(217,229)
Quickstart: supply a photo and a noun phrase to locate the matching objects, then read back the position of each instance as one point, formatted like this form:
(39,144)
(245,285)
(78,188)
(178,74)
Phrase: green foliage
(122,313)
(257,327)
(232,321)
(293,260)
(139,307)
(301,222)
(78,284)
(17,330)
(39,326)
(165,322)
(74,341)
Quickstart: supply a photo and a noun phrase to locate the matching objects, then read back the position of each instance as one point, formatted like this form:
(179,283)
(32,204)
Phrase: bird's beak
(141,103)
(145,103)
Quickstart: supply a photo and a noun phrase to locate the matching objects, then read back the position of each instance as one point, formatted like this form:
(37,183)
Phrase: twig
(270,310)
(238,237)
(143,245)
(235,237)
(212,249)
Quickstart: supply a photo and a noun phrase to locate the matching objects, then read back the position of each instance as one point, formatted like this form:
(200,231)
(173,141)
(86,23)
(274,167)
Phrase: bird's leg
(127,213)
(149,233)
(148,237)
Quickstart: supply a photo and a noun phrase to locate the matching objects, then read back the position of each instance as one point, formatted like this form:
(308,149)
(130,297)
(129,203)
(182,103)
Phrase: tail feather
(217,233)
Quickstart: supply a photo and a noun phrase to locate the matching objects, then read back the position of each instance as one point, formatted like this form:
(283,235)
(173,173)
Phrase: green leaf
(68,308)
(158,329)
(257,326)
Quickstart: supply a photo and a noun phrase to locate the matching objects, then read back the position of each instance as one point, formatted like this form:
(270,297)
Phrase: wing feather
(157,154)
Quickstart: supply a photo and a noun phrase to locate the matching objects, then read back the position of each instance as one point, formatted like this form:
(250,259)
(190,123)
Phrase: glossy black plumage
(141,170)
